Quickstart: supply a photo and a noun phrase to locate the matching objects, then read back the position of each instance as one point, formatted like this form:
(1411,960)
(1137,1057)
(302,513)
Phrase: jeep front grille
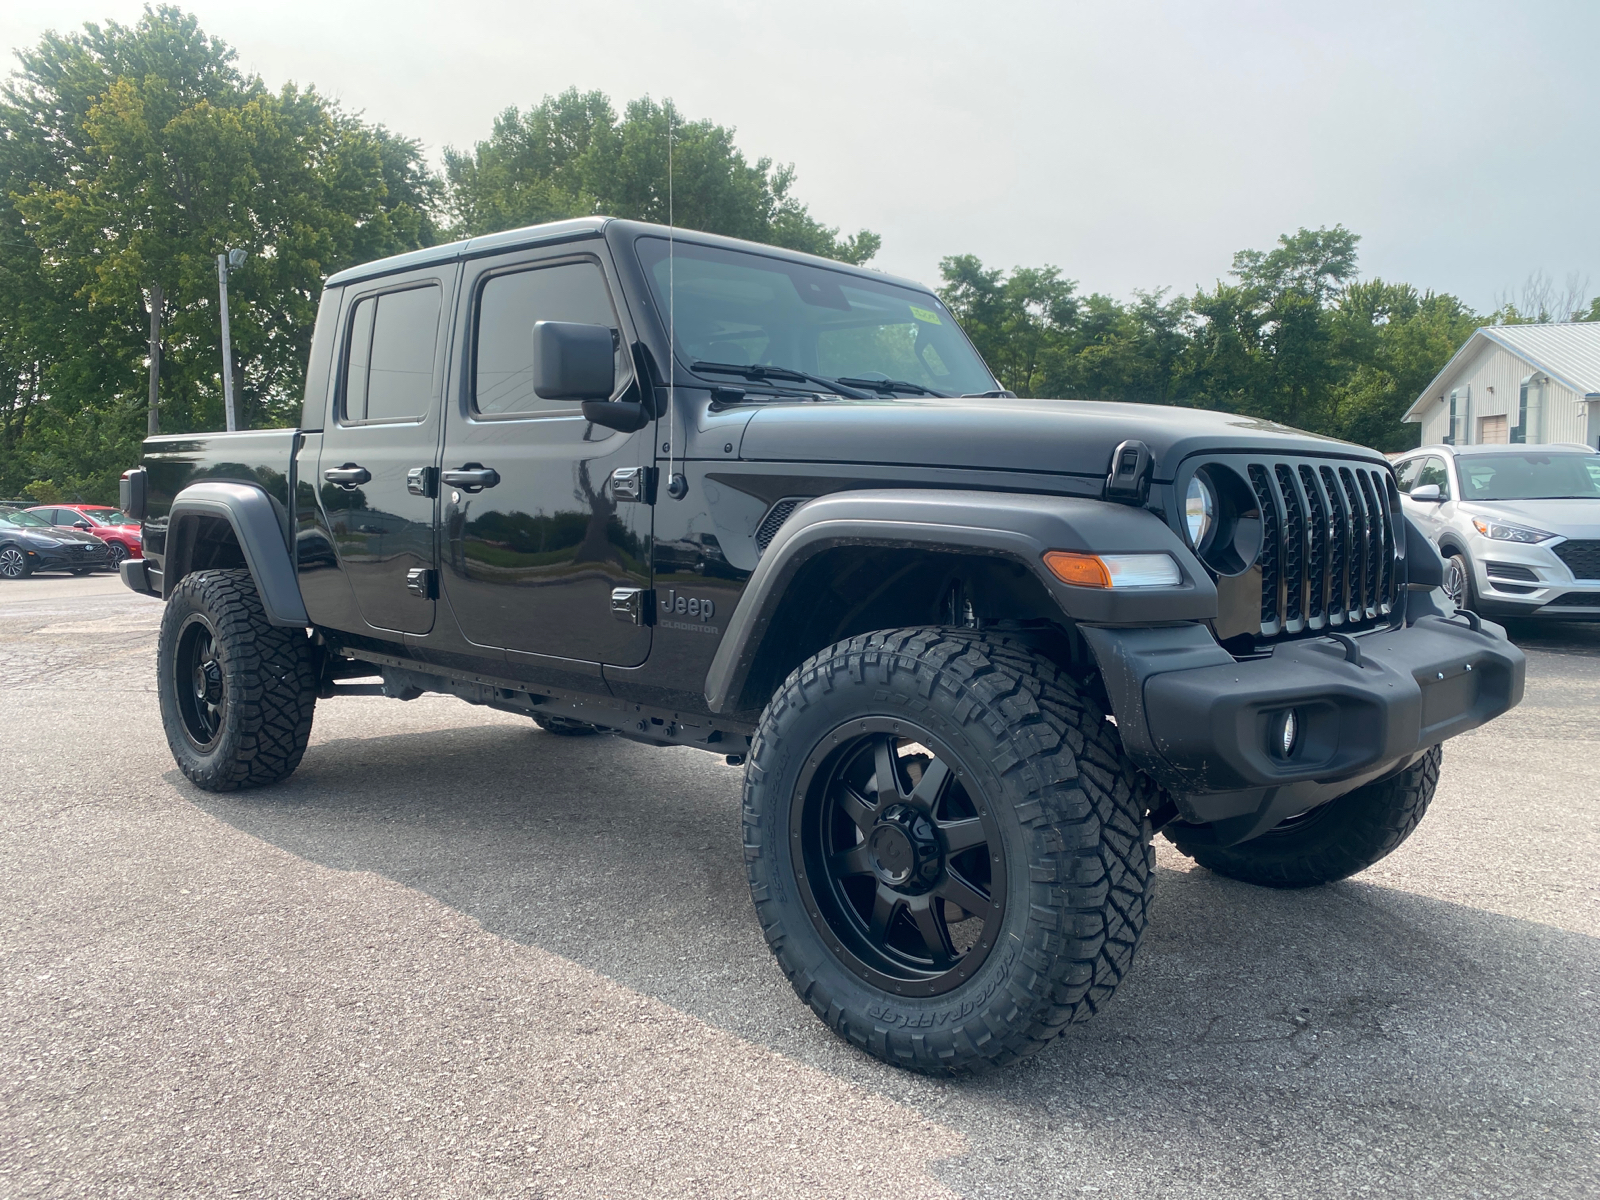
(1329,558)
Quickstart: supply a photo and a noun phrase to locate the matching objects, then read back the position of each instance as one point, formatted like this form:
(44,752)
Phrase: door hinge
(634,484)
(636,606)
(423,582)
(423,481)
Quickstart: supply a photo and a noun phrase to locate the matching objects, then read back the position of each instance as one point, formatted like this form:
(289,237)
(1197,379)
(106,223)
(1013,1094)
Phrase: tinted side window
(1405,477)
(390,359)
(1434,471)
(508,307)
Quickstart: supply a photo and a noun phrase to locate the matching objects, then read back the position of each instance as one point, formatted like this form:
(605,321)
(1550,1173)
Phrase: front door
(533,554)
(374,477)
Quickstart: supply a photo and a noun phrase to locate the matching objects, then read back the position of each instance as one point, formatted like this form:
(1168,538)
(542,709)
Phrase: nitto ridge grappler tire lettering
(1333,841)
(237,693)
(948,851)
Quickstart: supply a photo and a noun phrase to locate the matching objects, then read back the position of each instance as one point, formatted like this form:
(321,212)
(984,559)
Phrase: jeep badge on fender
(918,602)
(674,602)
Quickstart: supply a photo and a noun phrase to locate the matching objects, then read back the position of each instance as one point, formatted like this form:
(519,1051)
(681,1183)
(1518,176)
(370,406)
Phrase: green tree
(570,156)
(131,156)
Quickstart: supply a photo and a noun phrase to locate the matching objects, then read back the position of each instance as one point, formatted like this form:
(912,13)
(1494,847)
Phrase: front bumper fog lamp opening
(1113,570)
(1284,733)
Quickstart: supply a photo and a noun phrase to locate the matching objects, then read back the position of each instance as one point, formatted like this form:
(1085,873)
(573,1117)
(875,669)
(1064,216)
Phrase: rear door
(532,559)
(380,448)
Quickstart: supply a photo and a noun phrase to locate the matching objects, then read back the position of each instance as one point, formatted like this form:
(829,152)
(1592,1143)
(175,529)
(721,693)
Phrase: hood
(59,533)
(1074,437)
(1568,518)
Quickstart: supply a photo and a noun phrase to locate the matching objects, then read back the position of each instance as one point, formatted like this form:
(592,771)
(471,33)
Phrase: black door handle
(348,476)
(472,477)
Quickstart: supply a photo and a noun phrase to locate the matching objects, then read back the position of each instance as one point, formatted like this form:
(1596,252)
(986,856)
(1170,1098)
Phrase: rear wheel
(948,852)
(1332,841)
(237,693)
(14,563)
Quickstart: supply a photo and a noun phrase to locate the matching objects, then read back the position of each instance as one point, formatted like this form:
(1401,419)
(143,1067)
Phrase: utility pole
(153,422)
(232,259)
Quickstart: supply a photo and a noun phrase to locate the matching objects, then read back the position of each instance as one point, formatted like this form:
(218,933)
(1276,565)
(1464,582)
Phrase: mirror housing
(82,525)
(131,493)
(1427,493)
(573,362)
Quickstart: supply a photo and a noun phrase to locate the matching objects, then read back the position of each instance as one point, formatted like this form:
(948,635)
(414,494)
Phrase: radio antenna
(675,488)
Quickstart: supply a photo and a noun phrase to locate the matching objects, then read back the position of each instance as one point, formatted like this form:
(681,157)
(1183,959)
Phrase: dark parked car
(29,544)
(119,532)
(705,493)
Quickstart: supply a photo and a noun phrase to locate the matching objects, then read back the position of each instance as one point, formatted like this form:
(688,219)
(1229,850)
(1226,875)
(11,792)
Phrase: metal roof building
(1516,383)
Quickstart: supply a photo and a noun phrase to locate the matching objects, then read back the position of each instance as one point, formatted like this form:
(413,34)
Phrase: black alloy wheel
(197,670)
(116,552)
(903,872)
(238,693)
(948,850)
(13,563)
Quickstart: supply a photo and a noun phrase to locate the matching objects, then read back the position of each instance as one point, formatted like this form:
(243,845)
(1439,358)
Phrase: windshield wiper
(890,385)
(759,374)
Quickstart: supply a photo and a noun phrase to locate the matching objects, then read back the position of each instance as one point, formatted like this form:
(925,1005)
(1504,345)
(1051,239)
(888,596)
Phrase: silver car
(1519,526)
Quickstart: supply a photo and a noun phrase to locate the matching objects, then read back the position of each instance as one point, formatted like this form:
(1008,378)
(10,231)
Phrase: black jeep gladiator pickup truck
(972,651)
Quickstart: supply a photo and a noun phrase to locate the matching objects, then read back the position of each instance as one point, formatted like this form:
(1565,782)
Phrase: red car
(110,525)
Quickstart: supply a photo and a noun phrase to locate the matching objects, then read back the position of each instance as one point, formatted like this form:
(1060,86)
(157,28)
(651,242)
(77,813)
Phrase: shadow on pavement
(1422,1036)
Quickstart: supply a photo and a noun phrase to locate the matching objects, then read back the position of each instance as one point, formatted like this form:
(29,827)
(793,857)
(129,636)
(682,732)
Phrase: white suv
(1519,526)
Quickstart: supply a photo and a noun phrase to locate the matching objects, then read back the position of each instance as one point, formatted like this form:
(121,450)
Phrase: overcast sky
(1132,145)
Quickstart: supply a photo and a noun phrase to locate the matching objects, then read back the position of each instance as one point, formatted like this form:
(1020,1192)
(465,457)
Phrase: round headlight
(1199,511)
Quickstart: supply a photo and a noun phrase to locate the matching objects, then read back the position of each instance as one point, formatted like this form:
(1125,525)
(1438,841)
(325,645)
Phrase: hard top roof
(588,227)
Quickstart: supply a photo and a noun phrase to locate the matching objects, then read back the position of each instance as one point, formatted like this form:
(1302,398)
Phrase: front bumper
(73,556)
(1201,723)
(1502,585)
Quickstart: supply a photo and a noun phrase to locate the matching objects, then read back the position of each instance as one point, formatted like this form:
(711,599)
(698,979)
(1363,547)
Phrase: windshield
(1530,476)
(745,310)
(105,516)
(15,516)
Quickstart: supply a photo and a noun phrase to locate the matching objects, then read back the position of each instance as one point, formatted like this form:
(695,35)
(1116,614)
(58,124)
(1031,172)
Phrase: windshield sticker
(926,314)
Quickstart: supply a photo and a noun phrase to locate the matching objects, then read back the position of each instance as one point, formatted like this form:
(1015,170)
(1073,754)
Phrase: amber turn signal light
(1113,570)
(1080,570)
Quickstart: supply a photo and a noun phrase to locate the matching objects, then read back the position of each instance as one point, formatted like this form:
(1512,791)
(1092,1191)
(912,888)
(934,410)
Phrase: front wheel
(14,563)
(1332,841)
(115,553)
(948,852)
(237,693)
(1458,582)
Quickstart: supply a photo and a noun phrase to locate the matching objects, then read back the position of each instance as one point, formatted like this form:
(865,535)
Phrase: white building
(1516,383)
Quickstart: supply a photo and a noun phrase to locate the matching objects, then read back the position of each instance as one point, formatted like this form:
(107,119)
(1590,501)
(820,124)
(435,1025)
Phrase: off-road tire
(1074,818)
(1332,842)
(564,726)
(269,687)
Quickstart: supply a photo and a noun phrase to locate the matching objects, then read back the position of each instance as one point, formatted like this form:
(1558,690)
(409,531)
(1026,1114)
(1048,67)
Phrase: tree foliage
(1292,337)
(570,156)
(131,156)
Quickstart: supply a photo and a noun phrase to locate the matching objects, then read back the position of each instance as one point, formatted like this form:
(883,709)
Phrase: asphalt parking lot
(455,956)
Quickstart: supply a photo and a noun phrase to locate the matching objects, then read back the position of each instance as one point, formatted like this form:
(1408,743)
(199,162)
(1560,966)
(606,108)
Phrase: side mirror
(573,362)
(80,525)
(1427,493)
(131,493)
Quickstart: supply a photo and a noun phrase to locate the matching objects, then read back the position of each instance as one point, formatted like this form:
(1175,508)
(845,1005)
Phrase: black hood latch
(1128,481)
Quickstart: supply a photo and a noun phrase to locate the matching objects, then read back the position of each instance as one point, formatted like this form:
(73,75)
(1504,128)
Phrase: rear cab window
(391,356)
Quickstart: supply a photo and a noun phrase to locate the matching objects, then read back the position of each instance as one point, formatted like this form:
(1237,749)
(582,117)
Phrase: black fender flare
(259,531)
(1018,526)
